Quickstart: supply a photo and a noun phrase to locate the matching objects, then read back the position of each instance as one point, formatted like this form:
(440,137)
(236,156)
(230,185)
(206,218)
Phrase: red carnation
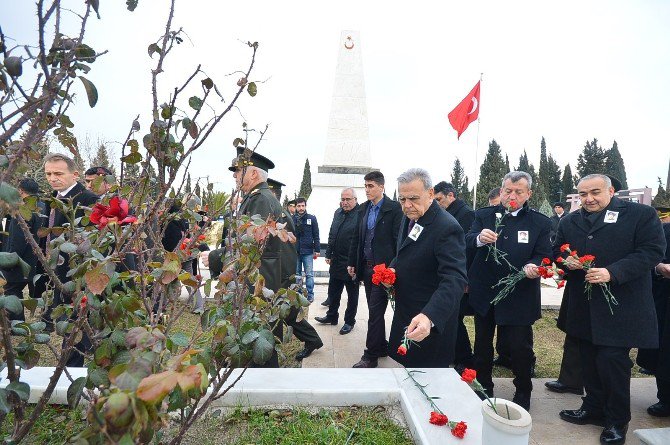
(513,205)
(586,259)
(402,350)
(546,261)
(560,272)
(561,284)
(82,303)
(469,375)
(459,430)
(565,247)
(559,259)
(438,418)
(201,237)
(115,212)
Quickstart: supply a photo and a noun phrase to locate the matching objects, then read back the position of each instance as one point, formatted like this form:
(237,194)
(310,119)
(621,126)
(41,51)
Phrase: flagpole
(474,197)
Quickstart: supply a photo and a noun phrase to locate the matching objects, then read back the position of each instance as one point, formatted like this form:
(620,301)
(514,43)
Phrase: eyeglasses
(412,199)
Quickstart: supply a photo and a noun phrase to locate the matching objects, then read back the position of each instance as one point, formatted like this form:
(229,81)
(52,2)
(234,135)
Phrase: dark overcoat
(342,231)
(279,258)
(430,279)
(525,239)
(384,243)
(80,198)
(15,241)
(628,248)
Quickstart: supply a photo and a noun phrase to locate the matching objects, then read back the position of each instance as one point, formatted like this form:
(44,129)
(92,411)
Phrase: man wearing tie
(62,175)
(375,243)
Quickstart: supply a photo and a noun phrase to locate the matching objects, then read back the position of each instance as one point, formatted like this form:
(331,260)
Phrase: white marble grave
(328,387)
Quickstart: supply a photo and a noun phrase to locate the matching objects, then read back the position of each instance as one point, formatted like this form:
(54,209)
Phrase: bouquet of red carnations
(386,277)
(587,262)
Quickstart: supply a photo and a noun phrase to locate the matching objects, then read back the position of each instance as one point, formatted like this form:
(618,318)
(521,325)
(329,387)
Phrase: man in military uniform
(524,237)
(275,186)
(279,258)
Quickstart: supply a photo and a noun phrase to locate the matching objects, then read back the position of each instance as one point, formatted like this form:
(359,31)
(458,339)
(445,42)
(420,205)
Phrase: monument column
(347,155)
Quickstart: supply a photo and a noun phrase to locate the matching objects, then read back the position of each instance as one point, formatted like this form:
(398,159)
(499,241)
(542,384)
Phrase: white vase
(498,429)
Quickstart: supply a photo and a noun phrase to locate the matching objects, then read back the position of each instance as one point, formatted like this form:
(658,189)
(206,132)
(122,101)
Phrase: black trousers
(303,331)
(376,344)
(463,353)
(520,342)
(606,371)
(335,287)
(571,364)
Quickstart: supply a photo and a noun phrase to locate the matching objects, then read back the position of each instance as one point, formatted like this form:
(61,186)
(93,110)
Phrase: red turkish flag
(465,112)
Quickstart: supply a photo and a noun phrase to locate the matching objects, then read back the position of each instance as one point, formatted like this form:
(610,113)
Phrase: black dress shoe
(614,434)
(522,399)
(582,417)
(307,351)
(346,329)
(326,320)
(659,409)
(557,386)
(366,363)
(326,303)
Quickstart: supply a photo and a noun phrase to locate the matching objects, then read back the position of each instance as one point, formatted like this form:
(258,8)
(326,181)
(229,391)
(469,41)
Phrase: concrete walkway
(342,351)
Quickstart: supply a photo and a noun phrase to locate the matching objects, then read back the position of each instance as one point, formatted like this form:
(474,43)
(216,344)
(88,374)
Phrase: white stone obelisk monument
(347,156)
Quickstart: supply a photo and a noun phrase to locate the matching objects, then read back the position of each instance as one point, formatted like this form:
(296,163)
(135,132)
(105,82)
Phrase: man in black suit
(15,241)
(376,243)
(627,241)
(660,287)
(431,246)
(342,230)
(447,197)
(559,213)
(524,236)
(62,174)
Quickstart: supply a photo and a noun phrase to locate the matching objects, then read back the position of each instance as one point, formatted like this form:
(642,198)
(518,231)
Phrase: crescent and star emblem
(349,43)
(474,105)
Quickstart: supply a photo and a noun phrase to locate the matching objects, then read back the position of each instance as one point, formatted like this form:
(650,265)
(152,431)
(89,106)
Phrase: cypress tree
(614,165)
(524,164)
(187,187)
(592,159)
(101,159)
(306,184)
(567,183)
(491,172)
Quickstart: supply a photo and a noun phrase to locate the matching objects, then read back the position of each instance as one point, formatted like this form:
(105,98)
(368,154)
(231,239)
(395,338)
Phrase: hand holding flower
(419,328)
(487,236)
(531,271)
(572,263)
(597,275)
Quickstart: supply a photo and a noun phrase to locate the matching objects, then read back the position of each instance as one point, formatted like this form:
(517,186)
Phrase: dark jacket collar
(424,221)
(455,206)
(615,205)
(77,189)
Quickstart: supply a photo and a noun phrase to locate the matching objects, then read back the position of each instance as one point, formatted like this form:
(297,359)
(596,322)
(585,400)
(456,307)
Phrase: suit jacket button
(590,237)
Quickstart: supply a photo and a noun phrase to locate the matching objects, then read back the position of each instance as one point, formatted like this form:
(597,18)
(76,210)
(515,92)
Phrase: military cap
(275,185)
(247,158)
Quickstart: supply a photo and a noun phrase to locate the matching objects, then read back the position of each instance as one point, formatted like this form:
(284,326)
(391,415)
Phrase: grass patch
(349,425)
(56,425)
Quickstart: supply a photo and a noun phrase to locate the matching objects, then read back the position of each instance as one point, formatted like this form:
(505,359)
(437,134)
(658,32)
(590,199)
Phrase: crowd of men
(447,263)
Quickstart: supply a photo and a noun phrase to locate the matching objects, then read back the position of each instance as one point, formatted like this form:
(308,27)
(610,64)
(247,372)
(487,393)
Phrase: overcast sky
(568,71)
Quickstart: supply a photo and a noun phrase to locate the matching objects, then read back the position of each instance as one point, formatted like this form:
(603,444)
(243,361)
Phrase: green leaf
(207,83)
(263,347)
(98,377)
(127,439)
(250,336)
(30,358)
(68,247)
(85,53)
(91,91)
(11,303)
(42,339)
(9,194)
(132,158)
(4,404)
(74,391)
(153,48)
(180,339)
(21,389)
(30,304)
(195,103)
(251,89)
